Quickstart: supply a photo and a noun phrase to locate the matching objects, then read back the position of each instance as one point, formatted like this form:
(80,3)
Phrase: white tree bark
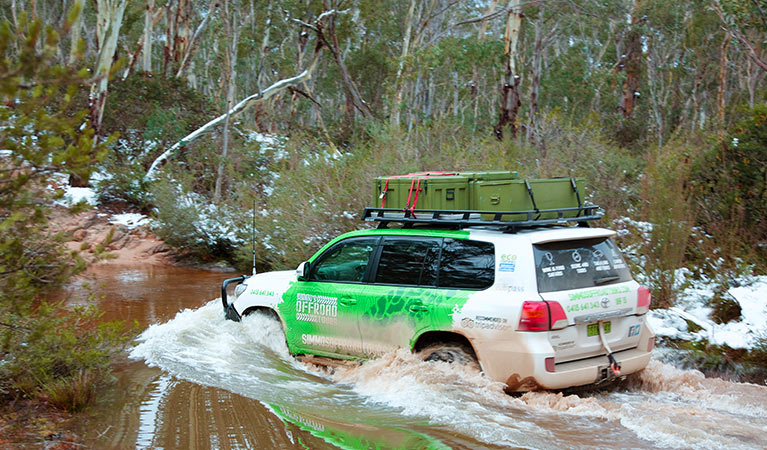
(146,61)
(109,20)
(398,83)
(236,110)
(195,38)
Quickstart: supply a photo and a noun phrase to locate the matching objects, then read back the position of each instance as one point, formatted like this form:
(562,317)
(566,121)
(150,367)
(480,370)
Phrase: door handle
(418,307)
(348,301)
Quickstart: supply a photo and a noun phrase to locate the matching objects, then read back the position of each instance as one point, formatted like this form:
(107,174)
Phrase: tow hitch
(615,366)
(229,310)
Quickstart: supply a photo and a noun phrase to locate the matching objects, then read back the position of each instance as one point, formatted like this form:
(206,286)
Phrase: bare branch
(192,48)
(302,93)
(239,108)
(739,36)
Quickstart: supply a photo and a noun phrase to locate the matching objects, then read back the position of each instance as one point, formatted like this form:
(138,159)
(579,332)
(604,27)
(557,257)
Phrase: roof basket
(507,221)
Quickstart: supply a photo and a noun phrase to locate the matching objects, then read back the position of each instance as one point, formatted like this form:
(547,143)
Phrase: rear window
(578,264)
(467,264)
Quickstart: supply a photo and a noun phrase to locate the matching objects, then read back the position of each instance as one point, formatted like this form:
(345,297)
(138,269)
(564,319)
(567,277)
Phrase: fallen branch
(239,108)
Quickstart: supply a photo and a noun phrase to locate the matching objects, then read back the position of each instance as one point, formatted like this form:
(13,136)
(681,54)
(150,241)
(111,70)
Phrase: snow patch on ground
(75,195)
(130,220)
(692,307)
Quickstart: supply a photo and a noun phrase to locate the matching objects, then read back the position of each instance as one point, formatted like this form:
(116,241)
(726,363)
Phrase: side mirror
(302,271)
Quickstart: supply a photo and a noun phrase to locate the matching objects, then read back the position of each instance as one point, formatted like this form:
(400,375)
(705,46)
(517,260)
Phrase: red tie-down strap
(418,187)
(439,173)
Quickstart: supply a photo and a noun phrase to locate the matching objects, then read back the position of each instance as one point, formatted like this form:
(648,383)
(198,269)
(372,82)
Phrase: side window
(467,264)
(345,261)
(408,261)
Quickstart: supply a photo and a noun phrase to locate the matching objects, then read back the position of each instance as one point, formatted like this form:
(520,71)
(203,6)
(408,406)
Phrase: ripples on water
(405,402)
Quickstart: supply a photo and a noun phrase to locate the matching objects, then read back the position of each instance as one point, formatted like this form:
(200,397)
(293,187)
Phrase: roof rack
(472,218)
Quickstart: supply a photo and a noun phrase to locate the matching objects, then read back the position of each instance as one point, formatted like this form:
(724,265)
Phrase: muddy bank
(98,240)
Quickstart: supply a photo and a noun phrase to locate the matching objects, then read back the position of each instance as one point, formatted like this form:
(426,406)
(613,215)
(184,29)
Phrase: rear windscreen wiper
(607,279)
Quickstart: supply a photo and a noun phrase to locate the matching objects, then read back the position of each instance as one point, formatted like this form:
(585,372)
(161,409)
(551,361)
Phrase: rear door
(400,297)
(592,282)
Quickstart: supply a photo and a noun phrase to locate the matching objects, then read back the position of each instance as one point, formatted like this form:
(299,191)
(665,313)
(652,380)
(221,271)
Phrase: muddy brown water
(196,381)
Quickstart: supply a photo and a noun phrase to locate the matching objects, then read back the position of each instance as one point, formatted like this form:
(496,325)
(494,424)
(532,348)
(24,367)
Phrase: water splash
(663,406)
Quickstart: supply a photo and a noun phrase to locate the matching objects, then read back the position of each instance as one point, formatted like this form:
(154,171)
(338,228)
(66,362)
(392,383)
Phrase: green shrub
(667,206)
(44,133)
(54,349)
(126,182)
(725,308)
(730,184)
(188,222)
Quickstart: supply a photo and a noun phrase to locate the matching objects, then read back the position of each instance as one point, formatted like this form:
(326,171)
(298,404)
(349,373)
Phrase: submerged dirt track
(199,381)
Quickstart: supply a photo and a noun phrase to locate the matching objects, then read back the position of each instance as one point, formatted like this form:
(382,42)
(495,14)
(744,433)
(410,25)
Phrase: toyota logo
(605,302)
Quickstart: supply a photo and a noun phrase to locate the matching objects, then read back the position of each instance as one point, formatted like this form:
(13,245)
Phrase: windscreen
(579,264)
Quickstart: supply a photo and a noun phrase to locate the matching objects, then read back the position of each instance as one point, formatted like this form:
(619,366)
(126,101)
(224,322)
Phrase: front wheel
(453,353)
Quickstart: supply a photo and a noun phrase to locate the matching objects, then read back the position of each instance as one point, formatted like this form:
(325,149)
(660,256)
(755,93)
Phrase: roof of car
(535,235)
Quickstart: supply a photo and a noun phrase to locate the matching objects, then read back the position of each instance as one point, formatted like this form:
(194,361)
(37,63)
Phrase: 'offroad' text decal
(317,309)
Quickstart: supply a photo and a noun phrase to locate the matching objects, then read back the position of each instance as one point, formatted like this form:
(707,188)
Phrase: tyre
(452,352)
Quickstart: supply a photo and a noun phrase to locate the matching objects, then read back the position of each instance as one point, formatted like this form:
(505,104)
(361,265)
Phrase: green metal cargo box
(480,191)
(432,190)
(528,195)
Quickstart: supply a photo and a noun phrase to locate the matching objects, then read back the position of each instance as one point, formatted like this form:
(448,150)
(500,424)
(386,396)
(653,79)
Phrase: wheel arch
(266,310)
(433,337)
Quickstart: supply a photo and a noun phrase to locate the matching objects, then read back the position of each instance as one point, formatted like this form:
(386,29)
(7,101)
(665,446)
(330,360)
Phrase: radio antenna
(254,236)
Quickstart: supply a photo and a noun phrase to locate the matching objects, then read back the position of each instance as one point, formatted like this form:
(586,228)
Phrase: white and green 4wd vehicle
(536,307)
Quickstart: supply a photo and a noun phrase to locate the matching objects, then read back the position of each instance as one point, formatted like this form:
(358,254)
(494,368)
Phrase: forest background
(192,110)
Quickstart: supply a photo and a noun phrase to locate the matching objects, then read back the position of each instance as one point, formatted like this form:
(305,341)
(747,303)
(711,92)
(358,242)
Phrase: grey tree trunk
(232,27)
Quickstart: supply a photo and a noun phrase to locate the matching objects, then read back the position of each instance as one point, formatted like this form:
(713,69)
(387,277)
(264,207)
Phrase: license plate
(593,329)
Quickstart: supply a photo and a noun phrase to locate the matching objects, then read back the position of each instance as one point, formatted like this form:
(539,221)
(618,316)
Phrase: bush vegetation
(47,350)
(310,190)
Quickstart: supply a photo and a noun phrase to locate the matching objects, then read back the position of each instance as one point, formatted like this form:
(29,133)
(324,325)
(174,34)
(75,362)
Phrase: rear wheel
(450,352)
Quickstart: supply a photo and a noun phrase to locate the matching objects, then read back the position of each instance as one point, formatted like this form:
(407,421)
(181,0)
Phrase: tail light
(558,316)
(542,316)
(643,300)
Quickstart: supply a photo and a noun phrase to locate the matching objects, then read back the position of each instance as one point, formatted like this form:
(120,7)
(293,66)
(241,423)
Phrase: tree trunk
(146,61)
(232,27)
(108,22)
(542,41)
(510,99)
(394,119)
(632,64)
(77,27)
(722,83)
(353,96)
(110,17)
(191,48)
(475,78)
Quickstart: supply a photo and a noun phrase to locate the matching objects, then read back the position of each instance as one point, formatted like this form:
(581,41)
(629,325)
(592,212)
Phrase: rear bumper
(593,370)
(521,363)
